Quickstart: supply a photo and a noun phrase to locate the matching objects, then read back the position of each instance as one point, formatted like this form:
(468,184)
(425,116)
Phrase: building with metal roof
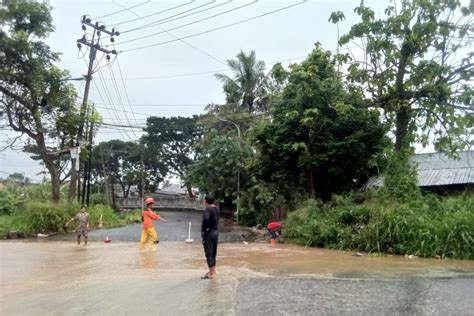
(438,171)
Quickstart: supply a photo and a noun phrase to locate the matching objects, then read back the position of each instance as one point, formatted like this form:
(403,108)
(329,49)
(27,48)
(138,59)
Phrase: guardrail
(161,202)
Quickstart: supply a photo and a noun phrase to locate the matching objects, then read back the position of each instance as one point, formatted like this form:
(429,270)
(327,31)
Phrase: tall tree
(418,68)
(246,87)
(319,139)
(172,139)
(220,163)
(126,164)
(36,100)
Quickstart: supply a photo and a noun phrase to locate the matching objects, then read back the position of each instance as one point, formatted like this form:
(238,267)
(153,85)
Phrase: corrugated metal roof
(435,169)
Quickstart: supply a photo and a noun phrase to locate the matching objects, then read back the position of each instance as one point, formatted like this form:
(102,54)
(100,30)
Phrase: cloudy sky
(169,51)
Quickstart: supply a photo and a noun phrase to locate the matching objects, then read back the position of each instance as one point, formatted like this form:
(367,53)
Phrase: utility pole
(94,46)
(142,180)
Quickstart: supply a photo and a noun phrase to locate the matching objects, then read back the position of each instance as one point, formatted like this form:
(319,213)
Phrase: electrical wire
(187,24)
(107,95)
(205,72)
(104,87)
(117,91)
(179,17)
(155,13)
(125,89)
(183,41)
(218,28)
(120,11)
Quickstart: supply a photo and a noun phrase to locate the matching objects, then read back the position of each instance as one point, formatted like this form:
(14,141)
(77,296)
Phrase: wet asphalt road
(176,229)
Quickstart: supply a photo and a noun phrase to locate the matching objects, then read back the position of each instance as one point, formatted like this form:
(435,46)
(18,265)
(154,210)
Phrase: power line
(208,72)
(216,29)
(187,24)
(183,41)
(182,125)
(125,90)
(117,91)
(120,11)
(167,20)
(159,105)
(155,13)
(107,95)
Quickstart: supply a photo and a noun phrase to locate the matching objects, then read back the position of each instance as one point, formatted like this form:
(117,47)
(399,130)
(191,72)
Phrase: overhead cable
(216,29)
(113,13)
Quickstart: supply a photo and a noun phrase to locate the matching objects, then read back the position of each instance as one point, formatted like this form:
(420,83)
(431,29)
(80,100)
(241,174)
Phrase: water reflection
(148,260)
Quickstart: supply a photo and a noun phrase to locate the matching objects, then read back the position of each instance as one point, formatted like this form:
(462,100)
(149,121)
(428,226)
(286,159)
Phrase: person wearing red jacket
(148,229)
(274,229)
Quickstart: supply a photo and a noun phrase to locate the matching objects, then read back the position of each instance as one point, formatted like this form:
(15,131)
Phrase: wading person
(82,224)
(274,229)
(148,230)
(210,235)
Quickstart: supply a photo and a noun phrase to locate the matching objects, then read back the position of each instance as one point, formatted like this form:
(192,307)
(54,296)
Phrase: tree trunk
(401,133)
(310,182)
(190,191)
(53,171)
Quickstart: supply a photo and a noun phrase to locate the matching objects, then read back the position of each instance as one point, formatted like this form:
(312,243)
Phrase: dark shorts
(81,231)
(209,241)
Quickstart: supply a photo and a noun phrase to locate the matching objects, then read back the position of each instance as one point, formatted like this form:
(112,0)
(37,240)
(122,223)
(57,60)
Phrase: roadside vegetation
(28,210)
(428,226)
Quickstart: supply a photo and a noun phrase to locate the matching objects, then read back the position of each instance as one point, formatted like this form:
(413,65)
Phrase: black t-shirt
(210,219)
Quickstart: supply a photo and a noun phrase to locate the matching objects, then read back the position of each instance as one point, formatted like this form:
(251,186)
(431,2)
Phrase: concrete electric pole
(94,46)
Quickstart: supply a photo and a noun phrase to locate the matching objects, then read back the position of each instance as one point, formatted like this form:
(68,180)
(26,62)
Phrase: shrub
(12,199)
(109,216)
(49,217)
(46,217)
(427,226)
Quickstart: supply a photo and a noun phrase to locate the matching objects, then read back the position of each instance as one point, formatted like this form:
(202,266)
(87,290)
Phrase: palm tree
(247,86)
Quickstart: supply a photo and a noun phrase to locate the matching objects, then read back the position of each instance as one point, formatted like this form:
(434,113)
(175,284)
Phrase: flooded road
(60,278)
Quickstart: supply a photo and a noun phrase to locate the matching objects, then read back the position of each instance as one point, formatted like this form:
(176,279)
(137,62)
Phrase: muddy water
(59,278)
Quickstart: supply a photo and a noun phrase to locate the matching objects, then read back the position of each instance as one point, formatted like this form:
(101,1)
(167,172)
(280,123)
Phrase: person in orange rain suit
(148,230)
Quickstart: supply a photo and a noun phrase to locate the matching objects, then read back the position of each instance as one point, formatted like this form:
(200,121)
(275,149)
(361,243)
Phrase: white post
(189,240)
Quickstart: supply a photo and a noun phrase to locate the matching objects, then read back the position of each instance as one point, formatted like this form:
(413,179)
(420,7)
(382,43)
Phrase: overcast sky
(175,77)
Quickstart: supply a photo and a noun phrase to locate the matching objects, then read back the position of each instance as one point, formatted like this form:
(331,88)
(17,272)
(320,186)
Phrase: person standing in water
(148,229)
(210,234)
(82,226)
(274,229)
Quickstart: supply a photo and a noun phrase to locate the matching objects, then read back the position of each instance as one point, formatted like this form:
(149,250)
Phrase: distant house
(171,190)
(439,173)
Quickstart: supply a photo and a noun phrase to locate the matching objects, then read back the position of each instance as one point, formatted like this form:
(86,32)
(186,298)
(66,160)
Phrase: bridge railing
(161,202)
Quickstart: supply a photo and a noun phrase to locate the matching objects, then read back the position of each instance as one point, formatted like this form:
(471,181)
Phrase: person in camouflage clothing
(82,224)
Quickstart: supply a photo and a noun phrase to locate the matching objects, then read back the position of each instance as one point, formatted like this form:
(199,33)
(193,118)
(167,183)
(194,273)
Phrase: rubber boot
(273,242)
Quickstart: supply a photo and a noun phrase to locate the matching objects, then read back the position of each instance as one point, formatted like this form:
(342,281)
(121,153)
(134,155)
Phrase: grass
(47,217)
(425,227)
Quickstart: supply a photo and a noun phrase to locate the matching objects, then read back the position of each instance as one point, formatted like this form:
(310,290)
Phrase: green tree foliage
(246,88)
(320,140)
(417,67)
(124,163)
(172,140)
(220,163)
(18,178)
(36,101)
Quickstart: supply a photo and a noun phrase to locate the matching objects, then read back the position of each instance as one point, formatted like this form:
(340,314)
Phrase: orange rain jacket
(148,217)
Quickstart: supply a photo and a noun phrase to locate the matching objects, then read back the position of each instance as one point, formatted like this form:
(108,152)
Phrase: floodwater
(61,278)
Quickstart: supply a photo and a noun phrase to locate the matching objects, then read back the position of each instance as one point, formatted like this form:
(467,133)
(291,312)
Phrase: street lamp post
(238,168)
